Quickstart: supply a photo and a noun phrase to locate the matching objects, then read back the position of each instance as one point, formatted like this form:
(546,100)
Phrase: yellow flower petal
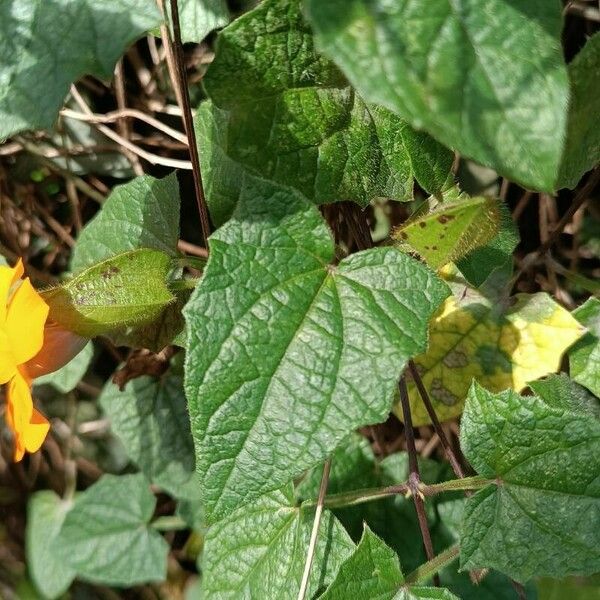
(25,320)
(8,277)
(28,425)
(8,367)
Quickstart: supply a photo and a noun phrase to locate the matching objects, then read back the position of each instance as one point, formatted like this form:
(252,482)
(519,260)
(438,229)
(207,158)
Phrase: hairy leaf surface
(143,213)
(582,146)
(540,516)
(287,353)
(287,114)
(373,571)
(495,257)
(150,417)
(259,551)
(485,78)
(584,357)
(451,230)
(129,289)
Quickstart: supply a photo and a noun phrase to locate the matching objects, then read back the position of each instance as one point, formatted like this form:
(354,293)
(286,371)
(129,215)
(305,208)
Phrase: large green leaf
(494,585)
(48,571)
(259,551)
(538,516)
(143,213)
(584,356)
(106,538)
(129,289)
(485,78)
(582,146)
(287,114)
(373,571)
(150,417)
(47,44)
(287,353)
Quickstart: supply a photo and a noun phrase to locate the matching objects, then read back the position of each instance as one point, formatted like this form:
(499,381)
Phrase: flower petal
(8,277)
(60,347)
(28,425)
(25,320)
(8,366)
(36,431)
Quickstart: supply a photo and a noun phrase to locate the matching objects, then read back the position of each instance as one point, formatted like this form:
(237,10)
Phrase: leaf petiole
(435,565)
(371,494)
(189,283)
(169,523)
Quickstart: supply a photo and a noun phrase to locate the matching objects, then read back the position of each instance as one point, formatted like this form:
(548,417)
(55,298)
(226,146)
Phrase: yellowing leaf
(500,344)
(451,231)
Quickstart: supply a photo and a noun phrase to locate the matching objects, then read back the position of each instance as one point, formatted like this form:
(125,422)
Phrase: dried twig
(109,133)
(126,112)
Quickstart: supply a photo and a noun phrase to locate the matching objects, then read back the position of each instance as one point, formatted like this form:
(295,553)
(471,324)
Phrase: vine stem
(188,121)
(373,494)
(450,455)
(312,545)
(434,566)
(414,477)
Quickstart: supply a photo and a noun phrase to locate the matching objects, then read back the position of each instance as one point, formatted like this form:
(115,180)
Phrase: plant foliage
(251,406)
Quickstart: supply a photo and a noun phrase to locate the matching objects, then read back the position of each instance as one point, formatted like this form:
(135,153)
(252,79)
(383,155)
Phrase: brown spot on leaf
(443,219)
(110,272)
(442,394)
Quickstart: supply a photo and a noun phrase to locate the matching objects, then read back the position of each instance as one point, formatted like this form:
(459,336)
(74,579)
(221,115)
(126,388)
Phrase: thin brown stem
(414,477)
(450,455)
(188,122)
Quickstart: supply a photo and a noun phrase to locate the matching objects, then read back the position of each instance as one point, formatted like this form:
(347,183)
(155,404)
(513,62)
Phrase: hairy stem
(434,566)
(361,496)
(414,478)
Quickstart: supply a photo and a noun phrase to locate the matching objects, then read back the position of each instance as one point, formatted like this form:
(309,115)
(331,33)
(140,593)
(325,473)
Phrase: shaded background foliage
(52,183)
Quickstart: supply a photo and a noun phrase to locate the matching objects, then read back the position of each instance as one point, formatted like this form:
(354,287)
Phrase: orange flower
(23,314)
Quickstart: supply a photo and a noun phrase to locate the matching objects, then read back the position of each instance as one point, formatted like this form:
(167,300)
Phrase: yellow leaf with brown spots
(500,344)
